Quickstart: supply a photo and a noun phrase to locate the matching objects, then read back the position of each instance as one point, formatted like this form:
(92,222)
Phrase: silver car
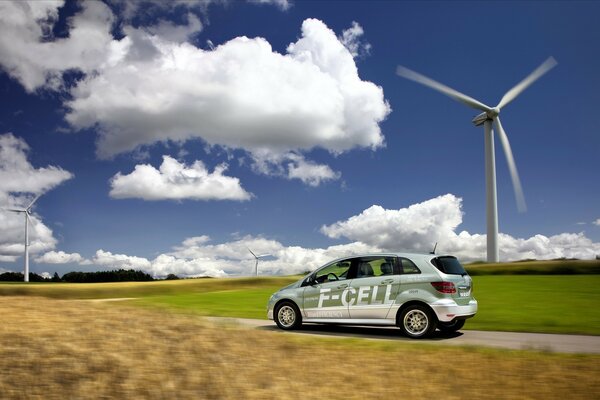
(416,292)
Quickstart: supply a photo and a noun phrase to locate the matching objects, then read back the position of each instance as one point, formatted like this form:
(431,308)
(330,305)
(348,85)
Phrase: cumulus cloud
(176,181)
(30,54)
(60,257)
(118,261)
(19,179)
(234,258)
(309,172)
(418,227)
(412,229)
(240,95)
(283,5)
(150,85)
(597,222)
(351,38)
(17,175)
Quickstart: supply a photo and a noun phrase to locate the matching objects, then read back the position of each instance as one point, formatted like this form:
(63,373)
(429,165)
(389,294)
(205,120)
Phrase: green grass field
(532,303)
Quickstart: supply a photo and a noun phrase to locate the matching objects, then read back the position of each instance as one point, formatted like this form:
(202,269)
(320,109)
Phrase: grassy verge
(139,289)
(550,304)
(552,267)
(55,349)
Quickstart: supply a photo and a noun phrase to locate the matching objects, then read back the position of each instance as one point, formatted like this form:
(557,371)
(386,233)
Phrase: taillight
(444,287)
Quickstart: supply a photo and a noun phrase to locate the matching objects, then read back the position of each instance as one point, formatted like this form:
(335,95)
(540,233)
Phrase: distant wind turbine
(27,212)
(257,258)
(489,116)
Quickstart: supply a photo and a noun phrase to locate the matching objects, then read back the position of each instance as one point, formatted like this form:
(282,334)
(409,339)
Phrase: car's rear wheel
(417,321)
(449,327)
(287,316)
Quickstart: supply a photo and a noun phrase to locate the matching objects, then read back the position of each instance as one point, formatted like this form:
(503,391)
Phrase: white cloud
(415,228)
(46,275)
(120,261)
(240,95)
(310,173)
(351,38)
(28,53)
(412,229)
(418,227)
(176,33)
(149,86)
(234,258)
(176,181)
(283,5)
(19,179)
(60,257)
(17,175)
(597,222)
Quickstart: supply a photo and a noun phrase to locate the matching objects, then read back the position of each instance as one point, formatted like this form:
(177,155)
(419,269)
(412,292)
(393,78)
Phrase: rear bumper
(447,310)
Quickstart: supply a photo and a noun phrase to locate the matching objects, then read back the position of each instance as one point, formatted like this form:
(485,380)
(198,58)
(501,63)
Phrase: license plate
(465,294)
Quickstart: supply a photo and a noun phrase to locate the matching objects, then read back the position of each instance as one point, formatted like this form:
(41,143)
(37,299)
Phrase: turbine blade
(514,175)
(423,80)
(34,200)
(17,210)
(252,253)
(525,83)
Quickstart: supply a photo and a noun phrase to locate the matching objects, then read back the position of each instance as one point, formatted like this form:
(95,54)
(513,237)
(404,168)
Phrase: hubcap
(286,316)
(416,322)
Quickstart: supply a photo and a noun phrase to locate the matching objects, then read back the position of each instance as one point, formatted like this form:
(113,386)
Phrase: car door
(324,292)
(374,288)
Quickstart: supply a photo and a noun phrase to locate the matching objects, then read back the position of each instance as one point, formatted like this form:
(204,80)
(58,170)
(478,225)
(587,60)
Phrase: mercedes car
(419,293)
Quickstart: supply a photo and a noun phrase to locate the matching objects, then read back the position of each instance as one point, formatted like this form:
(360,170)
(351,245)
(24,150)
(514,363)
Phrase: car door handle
(386,281)
(345,285)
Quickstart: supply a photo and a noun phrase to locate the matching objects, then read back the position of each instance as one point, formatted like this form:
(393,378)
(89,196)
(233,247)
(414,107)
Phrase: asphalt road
(506,340)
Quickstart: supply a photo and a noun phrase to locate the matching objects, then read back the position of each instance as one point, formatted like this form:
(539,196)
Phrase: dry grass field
(72,349)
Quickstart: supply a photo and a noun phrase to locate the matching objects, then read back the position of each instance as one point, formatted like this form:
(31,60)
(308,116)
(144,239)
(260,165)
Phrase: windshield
(449,265)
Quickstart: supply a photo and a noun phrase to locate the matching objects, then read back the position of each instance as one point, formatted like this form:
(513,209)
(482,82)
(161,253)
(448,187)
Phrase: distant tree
(11,277)
(56,278)
(120,275)
(171,277)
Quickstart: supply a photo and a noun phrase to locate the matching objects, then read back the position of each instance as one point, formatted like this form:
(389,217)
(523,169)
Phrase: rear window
(449,265)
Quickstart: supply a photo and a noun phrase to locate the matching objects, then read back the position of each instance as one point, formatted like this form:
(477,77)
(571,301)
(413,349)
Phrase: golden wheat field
(69,349)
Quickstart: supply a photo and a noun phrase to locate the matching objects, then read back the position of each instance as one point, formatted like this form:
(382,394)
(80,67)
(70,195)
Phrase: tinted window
(374,266)
(407,266)
(449,265)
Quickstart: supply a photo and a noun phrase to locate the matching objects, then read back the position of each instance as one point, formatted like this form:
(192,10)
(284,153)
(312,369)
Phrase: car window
(406,266)
(374,266)
(334,272)
(449,265)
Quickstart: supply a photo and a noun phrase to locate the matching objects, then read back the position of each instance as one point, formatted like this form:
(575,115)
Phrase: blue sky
(306,151)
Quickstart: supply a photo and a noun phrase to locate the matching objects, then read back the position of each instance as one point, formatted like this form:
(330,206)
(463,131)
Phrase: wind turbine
(257,258)
(489,116)
(27,212)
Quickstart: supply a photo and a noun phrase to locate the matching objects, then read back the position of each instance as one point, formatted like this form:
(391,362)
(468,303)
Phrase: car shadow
(370,332)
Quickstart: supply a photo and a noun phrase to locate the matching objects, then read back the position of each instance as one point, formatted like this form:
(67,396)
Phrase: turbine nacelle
(486,115)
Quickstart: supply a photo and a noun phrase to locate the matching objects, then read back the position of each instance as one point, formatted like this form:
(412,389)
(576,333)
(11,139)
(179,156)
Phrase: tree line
(120,275)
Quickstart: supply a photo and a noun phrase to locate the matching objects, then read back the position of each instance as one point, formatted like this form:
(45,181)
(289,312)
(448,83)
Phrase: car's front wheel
(417,321)
(287,316)
(449,327)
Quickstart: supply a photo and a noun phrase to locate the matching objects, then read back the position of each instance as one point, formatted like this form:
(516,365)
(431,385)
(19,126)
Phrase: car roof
(392,254)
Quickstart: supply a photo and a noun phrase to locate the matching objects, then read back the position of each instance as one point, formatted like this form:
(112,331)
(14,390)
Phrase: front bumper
(447,310)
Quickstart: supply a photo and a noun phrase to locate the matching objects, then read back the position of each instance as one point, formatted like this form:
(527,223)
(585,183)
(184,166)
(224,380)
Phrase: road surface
(582,344)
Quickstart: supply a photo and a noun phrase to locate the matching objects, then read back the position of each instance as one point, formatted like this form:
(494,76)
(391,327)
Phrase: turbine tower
(257,258)
(489,116)
(27,212)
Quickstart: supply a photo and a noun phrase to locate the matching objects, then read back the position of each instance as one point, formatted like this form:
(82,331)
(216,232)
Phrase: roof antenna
(434,247)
